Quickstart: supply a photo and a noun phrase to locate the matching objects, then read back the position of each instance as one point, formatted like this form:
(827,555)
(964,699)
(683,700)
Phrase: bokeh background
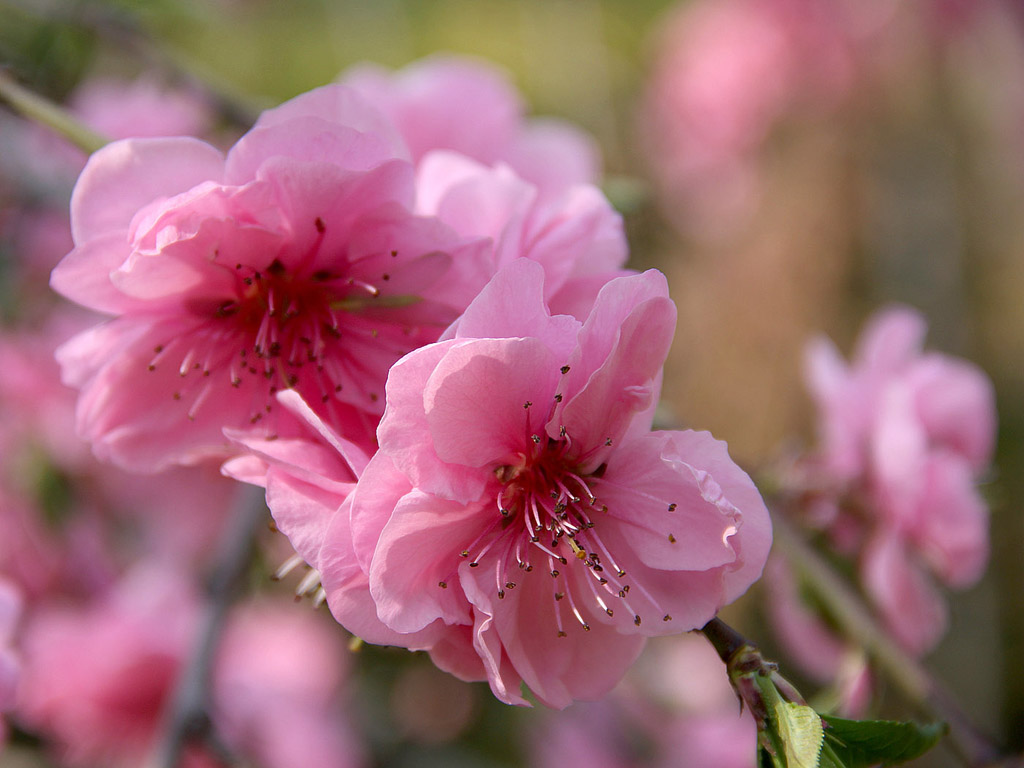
(790,173)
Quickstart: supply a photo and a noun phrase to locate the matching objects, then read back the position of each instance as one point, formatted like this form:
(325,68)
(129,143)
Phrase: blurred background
(791,165)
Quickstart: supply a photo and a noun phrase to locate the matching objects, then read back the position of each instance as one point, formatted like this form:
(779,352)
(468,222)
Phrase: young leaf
(863,743)
(801,732)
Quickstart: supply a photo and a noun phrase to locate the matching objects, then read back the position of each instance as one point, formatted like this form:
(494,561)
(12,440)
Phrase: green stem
(35,107)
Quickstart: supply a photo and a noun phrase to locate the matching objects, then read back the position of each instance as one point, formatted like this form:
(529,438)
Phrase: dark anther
(636,619)
(671,507)
(443,584)
(565,369)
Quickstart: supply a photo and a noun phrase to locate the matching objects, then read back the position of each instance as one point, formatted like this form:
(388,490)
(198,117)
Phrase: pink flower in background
(293,262)
(10,664)
(469,106)
(97,676)
(905,436)
(725,72)
(279,672)
(520,501)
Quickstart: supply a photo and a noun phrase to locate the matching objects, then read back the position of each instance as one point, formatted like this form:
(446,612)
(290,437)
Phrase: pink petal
(511,305)
(911,607)
(952,527)
(754,539)
(956,404)
(647,477)
(125,175)
(84,274)
(581,665)
(613,374)
(476,399)
(417,552)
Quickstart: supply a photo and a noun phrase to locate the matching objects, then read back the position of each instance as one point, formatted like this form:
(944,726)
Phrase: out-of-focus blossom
(905,436)
(98,675)
(520,520)
(10,664)
(469,106)
(725,71)
(276,692)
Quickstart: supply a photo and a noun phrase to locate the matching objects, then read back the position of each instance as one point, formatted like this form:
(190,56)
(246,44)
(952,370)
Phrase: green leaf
(863,743)
(801,733)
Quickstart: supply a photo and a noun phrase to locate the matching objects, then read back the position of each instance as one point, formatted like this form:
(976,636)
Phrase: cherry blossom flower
(469,106)
(520,505)
(308,258)
(905,436)
(292,262)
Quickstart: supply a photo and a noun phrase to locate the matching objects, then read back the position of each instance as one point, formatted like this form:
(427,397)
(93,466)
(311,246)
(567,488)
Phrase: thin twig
(41,110)
(187,717)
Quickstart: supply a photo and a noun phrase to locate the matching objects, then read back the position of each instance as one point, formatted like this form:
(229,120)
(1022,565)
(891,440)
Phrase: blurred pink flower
(520,505)
(10,664)
(279,672)
(98,675)
(905,435)
(468,105)
(725,72)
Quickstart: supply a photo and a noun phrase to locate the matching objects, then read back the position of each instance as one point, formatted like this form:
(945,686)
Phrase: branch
(187,717)
(41,110)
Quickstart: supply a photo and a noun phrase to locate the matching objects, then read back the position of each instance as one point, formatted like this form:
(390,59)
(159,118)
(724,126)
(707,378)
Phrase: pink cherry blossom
(292,262)
(905,436)
(519,502)
(469,106)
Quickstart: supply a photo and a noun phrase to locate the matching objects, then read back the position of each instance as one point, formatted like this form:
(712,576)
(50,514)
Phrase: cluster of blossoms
(905,437)
(92,643)
(422,340)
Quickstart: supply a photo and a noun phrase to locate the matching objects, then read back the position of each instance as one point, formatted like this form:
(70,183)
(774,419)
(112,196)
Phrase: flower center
(548,515)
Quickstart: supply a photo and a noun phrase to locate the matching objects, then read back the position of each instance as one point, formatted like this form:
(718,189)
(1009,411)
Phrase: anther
(564,369)
(671,539)
(636,619)
(671,507)
(666,617)
(527,404)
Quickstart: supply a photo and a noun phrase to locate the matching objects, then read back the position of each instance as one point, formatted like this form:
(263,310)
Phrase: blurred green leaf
(863,743)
